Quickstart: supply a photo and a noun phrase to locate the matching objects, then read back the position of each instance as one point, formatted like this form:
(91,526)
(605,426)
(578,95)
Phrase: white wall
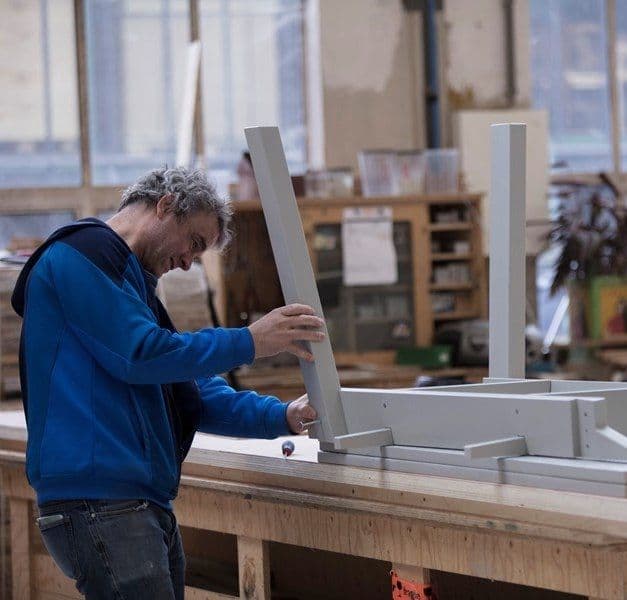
(475,82)
(365,66)
(475,61)
(473,138)
(365,87)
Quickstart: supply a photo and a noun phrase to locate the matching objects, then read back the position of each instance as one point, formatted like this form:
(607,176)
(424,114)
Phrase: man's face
(174,243)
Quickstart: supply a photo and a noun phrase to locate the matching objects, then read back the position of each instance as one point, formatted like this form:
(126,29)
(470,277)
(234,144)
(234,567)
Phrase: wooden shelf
(462,226)
(326,275)
(415,261)
(446,287)
(378,320)
(312,202)
(615,341)
(445,256)
(381,287)
(455,315)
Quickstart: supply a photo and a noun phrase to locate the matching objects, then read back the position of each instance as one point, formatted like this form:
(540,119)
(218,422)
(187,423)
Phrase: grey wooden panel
(558,386)
(378,437)
(295,271)
(598,439)
(564,484)
(528,386)
(616,401)
(507,251)
(559,482)
(592,470)
(513,446)
(454,420)
(619,392)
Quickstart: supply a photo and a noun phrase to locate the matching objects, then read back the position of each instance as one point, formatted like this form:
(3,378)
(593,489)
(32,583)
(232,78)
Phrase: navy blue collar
(18,299)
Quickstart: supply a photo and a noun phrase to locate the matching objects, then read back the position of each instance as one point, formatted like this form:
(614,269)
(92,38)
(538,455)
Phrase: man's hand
(282,329)
(299,412)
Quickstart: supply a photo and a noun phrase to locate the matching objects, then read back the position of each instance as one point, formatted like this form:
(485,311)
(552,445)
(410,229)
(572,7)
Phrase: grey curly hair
(192,192)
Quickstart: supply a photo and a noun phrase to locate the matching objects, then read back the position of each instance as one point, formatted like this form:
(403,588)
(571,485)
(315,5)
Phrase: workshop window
(621,77)
(252,74)
(136,52)
(39,133)
(574,44)
(570,79)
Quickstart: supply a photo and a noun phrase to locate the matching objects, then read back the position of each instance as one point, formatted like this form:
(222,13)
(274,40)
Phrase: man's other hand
(282,330)
(299,412)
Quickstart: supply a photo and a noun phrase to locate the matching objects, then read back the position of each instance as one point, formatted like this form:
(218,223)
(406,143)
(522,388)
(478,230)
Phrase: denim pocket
(116,508)
(58,537)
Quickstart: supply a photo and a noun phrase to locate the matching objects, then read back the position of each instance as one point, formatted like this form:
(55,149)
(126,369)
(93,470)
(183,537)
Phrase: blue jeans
(116,549)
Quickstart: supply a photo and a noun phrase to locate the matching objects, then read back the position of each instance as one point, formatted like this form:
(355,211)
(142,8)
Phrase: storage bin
(410,172)
(441,170)
(330,183)
(378,172)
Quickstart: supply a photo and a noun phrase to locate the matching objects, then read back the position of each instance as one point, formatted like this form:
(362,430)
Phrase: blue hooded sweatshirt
(113,394)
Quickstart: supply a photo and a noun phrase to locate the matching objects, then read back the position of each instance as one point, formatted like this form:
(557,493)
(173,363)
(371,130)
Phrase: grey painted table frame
(561,435)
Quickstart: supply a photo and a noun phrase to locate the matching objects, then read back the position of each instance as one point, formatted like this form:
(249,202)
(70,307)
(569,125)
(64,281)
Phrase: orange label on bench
(403,589)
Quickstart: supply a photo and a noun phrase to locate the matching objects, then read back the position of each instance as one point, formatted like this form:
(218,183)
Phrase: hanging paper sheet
(368,246)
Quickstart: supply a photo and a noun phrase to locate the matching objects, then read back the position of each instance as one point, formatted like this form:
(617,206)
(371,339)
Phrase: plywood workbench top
(256,469)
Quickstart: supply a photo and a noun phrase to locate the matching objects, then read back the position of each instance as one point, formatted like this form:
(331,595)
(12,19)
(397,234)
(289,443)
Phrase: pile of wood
(10,328)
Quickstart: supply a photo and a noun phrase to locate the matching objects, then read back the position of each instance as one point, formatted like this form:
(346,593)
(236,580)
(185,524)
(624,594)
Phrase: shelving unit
(454,315)
(460,293)
(444,256)
(363,320)
(450,227)
(438,287)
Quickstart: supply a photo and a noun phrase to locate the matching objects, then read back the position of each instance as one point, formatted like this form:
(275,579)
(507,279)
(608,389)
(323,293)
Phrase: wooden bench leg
(20,513)
(254,569)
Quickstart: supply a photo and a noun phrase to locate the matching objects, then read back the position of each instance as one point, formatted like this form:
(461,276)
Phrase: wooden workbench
(560,541)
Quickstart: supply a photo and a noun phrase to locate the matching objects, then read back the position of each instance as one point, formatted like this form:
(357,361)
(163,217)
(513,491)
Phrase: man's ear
(164,205)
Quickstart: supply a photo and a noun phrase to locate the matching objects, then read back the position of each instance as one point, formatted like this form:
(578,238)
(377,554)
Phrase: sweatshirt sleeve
(117,327)
(240,414)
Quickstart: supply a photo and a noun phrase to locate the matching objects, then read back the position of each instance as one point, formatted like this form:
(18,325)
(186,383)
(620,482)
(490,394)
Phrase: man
(113,394)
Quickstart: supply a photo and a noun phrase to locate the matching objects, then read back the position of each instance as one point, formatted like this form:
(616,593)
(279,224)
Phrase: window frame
(615,134)
(87,199)
(610,22)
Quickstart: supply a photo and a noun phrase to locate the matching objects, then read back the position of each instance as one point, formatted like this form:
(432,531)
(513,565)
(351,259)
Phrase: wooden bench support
(20,512)
(254,568)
